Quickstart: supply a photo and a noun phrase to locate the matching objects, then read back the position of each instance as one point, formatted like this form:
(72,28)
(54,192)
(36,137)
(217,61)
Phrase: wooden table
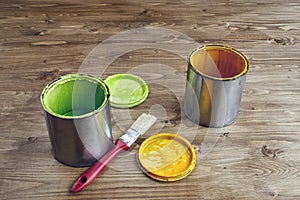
(257,157)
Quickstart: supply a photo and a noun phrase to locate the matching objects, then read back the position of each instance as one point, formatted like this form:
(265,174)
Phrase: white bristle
(143,123)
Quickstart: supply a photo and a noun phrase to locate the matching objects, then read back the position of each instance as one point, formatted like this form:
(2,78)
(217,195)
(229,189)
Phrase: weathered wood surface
(257,157)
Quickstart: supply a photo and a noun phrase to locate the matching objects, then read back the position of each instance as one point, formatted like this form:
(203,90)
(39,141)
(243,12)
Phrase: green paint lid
(126,90)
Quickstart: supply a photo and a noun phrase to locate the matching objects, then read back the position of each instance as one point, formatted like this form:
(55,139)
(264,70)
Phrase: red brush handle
(91,173)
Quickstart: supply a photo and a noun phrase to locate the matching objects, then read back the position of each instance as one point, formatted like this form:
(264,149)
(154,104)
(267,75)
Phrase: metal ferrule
(129,137)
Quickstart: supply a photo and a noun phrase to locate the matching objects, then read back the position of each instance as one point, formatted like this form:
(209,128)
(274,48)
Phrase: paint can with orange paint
(215,79)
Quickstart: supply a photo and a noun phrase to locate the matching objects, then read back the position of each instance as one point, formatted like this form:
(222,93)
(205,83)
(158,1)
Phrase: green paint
(77,112)
(74,96)
(126,90)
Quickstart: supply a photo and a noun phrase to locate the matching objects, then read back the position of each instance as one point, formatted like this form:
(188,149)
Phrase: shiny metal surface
(210,101)
(82,140)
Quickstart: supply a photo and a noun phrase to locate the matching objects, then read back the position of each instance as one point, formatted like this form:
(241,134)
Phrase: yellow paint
(167,157)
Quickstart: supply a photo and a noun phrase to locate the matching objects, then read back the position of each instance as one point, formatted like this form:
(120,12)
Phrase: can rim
(216,46)
(169,178)
(69,77)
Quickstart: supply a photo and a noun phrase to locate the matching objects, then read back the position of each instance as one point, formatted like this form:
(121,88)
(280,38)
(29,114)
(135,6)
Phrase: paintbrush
(138,128)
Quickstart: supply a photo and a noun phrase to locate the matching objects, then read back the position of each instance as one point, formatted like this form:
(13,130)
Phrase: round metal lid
(166,157)
(126,90)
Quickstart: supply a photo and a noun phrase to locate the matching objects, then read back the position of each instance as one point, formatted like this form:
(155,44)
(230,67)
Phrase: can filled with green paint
(77,113)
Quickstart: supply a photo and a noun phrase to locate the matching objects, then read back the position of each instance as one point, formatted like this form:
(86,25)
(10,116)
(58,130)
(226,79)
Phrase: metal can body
(213,96)
(77,113)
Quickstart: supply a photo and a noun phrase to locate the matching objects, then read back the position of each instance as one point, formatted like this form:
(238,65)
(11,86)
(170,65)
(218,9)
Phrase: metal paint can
(77,113)
(215,80)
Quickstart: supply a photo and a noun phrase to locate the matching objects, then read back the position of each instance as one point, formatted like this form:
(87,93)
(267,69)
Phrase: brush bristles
(143,123)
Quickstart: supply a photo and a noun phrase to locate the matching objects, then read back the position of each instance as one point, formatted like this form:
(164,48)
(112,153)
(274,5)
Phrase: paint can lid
(166,157)
(126,90)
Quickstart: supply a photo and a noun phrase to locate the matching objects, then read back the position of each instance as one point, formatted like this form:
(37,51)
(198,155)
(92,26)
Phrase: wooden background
(257,157)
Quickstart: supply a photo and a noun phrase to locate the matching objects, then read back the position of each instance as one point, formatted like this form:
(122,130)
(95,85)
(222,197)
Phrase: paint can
(77,113)
(215,80)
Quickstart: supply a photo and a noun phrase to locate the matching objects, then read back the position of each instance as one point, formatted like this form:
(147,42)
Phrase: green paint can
(77,113)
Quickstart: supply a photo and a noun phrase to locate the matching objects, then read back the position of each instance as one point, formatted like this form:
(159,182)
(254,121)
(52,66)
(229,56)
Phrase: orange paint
(219,62)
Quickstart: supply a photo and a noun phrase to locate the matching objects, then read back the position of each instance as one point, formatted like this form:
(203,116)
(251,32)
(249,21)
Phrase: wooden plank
(257,157)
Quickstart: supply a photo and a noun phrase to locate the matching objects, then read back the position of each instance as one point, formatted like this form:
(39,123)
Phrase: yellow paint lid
(166,157)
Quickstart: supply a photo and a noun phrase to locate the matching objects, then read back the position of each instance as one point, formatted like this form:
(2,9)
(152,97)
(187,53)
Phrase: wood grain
(257,157)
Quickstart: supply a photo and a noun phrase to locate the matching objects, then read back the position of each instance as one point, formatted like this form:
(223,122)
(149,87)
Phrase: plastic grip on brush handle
(92,172)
